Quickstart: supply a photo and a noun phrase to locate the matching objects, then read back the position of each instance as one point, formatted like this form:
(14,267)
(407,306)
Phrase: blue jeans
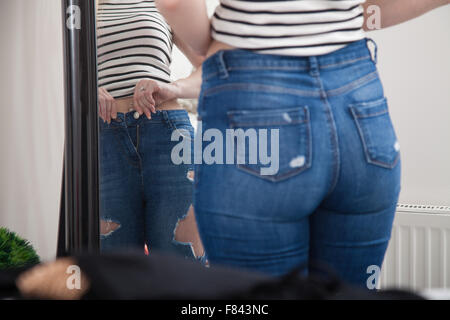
(334,195)
(141,189)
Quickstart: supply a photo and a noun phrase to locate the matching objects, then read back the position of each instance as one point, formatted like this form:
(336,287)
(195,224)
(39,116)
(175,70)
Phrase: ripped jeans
(142,193)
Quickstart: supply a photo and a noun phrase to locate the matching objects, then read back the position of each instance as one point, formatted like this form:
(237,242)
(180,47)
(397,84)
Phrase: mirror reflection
(145,199)
(360,180)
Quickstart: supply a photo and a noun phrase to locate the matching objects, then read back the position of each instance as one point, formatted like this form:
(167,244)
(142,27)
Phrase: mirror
(157,194)
(145,195)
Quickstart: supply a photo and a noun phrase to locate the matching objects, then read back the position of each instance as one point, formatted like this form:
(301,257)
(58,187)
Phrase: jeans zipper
(137,138)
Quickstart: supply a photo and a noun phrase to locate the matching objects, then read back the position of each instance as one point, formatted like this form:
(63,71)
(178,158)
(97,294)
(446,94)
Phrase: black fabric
(159,276)
(8,288)
(135,276)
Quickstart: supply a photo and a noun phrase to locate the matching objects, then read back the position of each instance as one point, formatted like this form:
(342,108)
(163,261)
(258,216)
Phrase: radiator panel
(418,255)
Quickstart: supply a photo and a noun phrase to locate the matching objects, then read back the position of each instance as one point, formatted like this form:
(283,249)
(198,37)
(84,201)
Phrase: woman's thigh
(121,200)
(351,228)
(167,182)
(252,206)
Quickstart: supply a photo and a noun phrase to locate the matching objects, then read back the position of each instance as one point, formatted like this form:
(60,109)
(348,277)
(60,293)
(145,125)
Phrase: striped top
(133,43)
(289,27)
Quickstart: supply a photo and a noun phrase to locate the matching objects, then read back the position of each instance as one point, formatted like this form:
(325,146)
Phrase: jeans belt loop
(313,66)
(223,72)
(165,115)
(375,53)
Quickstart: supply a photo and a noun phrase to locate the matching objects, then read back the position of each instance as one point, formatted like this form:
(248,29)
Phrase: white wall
(32,126)
(414,63)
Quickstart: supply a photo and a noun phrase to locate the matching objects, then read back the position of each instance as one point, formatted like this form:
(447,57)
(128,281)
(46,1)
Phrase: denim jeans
(333,198)
(141,189)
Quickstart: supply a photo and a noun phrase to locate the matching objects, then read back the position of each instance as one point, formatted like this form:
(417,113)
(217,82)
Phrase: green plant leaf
(15,252)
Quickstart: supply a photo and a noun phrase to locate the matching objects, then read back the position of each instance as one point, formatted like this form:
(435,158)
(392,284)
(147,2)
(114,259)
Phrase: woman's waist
(125,105)
(218,46)
(222,58)
(130,119)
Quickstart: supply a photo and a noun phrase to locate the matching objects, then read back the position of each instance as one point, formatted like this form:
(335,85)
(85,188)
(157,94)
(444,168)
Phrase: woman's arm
(189,20)
(188,88)
(192,56)
(157,93)
(397,11)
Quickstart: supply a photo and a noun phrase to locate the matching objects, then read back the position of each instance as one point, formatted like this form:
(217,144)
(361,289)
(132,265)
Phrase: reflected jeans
(333,199)
(141,189)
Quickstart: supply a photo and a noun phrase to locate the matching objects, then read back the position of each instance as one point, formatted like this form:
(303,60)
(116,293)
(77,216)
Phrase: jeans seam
(287,68)
(353,85)
(367,105)
(352,244)
(210,75)
(365,147)
(287,175)
(138,137)
(334,137)
(245,86)
(256,123)
(172,127)
(346,62)
(136,164)
(370,115)
(384,164)
(253,218)
(272,178)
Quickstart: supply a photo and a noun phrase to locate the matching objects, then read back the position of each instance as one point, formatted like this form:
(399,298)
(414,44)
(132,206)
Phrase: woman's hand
(107,105)
(166,92)
(149,94)
(143,99)
(49,281)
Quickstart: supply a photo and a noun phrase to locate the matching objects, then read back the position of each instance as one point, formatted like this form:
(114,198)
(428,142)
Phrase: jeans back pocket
(271,144)
(377,133)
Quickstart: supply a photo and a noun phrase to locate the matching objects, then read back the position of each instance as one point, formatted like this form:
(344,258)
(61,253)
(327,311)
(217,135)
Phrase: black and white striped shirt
(133,43)
(289,27)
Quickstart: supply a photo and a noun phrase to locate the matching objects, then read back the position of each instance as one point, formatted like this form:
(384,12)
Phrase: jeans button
(136,115)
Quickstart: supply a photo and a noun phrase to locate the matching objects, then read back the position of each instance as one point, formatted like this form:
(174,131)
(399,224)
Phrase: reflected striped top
(289,27)
(133,43)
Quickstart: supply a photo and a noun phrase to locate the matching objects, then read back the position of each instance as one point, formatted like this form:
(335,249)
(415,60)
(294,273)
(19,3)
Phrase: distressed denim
(333,199)
(140,187)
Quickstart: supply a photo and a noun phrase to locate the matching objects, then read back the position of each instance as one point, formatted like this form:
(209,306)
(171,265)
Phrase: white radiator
(418,256)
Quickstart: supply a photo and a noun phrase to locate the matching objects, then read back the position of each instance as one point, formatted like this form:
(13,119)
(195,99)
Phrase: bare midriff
(217,46)
(125,105)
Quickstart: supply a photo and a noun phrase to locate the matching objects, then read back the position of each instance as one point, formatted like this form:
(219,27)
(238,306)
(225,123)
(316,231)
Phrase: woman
(145,198)
(302,71)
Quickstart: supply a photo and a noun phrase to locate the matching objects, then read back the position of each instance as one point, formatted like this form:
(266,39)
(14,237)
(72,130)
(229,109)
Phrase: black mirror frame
(79,208)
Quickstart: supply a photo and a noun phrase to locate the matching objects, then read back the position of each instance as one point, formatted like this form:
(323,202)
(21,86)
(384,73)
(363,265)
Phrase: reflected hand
(49,281)
(143,100)
(166,92)
(107,105)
